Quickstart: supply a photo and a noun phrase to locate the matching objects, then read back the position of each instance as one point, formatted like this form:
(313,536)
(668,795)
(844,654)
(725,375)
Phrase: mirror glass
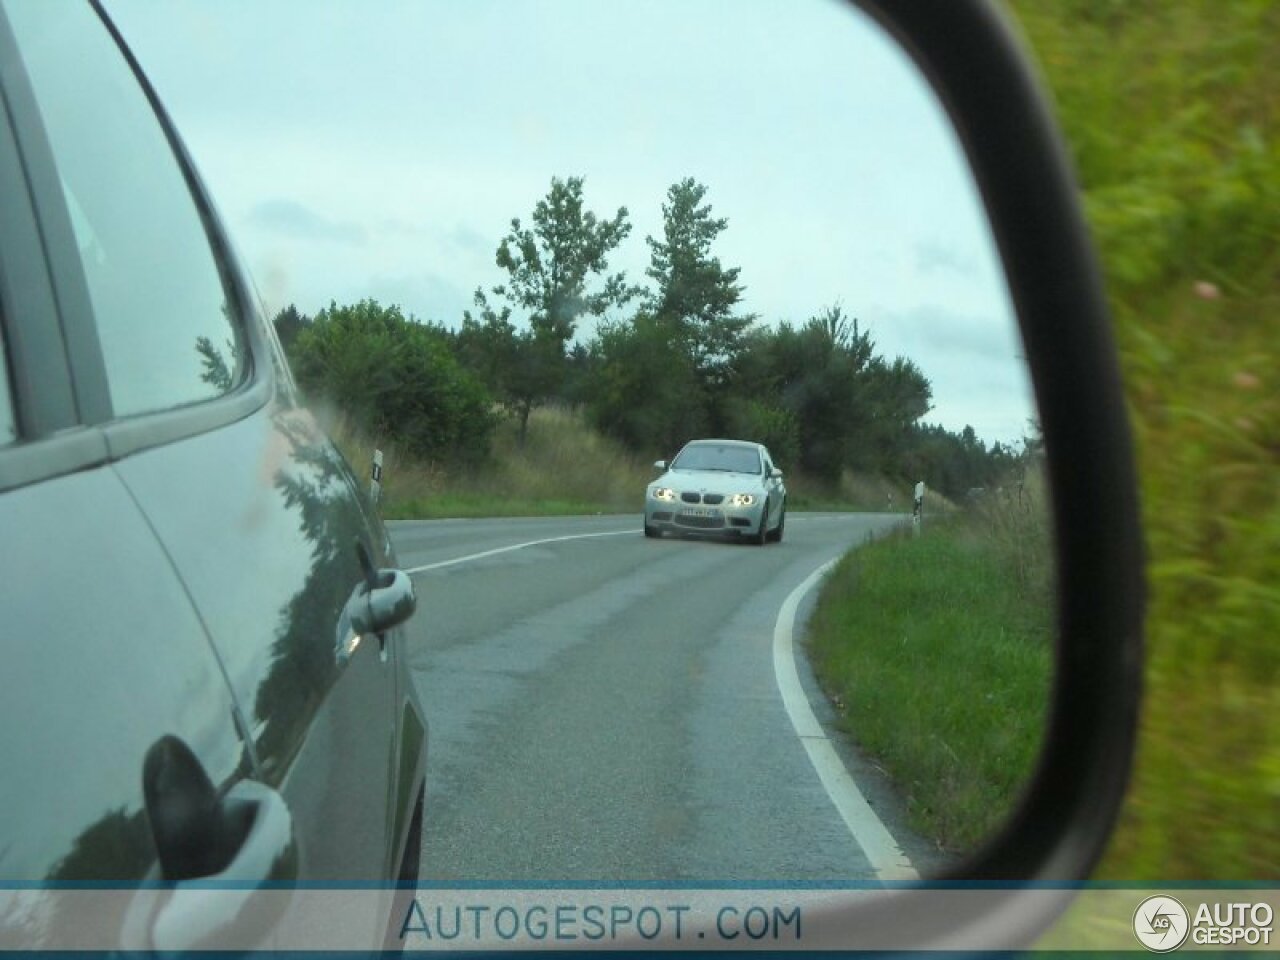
(613,228)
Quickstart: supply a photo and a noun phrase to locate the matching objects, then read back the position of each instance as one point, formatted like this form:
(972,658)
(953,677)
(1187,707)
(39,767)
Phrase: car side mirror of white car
(659,464)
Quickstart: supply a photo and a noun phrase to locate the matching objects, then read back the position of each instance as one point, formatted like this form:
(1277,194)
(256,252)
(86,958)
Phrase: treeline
(669,360)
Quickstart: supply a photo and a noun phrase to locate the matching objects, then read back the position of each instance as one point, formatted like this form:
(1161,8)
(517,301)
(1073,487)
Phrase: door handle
(216,853)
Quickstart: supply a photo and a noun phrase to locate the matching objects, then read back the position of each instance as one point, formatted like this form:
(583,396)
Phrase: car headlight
(742,499)
(664,493)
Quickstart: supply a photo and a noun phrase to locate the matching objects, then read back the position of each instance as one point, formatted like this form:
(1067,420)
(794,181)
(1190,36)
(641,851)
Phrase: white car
(718,487)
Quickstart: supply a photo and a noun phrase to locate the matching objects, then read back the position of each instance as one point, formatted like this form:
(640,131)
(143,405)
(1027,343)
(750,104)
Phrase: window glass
(163,317)
(727,459)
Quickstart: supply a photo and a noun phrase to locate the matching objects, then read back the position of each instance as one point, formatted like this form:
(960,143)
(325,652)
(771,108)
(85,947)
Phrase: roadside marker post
(375,482)
(917,509)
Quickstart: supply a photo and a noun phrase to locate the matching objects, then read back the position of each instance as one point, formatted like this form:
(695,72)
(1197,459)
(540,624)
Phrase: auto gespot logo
(1161,924)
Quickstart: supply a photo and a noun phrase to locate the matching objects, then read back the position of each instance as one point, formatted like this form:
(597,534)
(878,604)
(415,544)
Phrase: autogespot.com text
(426,923)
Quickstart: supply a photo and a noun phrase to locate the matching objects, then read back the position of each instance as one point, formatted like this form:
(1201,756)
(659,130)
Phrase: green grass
(936,652)
(1170,111)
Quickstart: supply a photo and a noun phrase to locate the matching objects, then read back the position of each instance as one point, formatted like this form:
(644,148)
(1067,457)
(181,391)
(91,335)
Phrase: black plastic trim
(62,255)
(976,64)
(43,395)
(975,61)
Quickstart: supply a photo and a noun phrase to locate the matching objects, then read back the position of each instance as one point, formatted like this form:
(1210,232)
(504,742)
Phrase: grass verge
(937,653)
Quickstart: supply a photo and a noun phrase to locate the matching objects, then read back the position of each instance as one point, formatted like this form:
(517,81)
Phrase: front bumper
(691,518)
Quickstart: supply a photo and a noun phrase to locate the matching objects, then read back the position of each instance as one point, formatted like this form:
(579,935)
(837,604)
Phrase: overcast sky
(380,149)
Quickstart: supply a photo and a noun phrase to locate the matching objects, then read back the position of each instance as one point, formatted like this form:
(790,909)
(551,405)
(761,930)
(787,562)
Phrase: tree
(892,399)
(814,375)
(485,345)
(696,295)
(395,376)
(821,391)
(553,272)
(639,387)
(289,323)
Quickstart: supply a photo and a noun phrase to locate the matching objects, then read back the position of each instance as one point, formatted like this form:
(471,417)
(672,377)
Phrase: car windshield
(706,456)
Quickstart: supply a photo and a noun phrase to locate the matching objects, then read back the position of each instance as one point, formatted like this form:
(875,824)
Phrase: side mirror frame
(970,53)
(660,465)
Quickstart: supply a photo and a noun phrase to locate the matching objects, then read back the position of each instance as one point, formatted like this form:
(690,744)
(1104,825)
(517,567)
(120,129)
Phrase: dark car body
(179,537)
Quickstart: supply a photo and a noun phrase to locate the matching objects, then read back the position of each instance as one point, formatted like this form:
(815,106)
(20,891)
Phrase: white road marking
(887,858)
(516,546)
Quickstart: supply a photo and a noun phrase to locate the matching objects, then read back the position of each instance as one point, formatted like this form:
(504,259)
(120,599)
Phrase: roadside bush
(394,377)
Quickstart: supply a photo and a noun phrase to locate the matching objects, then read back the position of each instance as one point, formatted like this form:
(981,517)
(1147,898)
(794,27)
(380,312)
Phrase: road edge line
(869,832)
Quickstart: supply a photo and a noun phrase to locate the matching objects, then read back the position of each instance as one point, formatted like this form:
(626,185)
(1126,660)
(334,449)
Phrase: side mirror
(389,602)
(659,464)
(775,474)
(970,55)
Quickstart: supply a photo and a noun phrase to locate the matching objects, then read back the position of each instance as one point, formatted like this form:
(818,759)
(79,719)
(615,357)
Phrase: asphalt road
(606,708)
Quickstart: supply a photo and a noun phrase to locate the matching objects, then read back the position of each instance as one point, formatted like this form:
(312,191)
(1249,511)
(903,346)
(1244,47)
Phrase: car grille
(701,523)
(711,498)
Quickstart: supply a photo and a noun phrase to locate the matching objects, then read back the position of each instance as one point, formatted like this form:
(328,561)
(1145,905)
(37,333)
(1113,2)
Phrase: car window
(163,318)
(728,459)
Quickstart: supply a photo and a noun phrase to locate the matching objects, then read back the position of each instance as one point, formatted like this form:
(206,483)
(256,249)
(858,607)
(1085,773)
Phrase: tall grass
(563,468)
(1014,522)
(936,650)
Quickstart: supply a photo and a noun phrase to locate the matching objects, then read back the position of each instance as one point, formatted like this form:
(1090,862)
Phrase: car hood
(710,481)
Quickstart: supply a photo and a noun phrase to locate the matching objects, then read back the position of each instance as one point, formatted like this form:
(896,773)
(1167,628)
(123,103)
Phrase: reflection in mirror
(532,251)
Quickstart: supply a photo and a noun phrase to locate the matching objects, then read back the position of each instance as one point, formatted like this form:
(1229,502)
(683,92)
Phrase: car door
(256,511)
(106,663)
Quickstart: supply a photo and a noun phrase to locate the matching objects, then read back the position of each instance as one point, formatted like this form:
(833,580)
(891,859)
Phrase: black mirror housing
(971,55)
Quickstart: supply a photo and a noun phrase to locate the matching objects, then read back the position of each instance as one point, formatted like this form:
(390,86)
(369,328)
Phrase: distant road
(605,707)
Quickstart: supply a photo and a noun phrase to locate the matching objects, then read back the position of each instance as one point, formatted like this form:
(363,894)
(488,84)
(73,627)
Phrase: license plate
(700,513)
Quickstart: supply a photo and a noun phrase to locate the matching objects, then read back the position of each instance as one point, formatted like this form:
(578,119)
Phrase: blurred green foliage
(1170,110)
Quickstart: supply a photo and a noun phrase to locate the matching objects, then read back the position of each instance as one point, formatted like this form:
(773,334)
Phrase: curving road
(605,707)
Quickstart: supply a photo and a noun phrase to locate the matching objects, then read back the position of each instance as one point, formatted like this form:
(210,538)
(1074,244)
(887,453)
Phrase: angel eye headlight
(664,493)
(743,499)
